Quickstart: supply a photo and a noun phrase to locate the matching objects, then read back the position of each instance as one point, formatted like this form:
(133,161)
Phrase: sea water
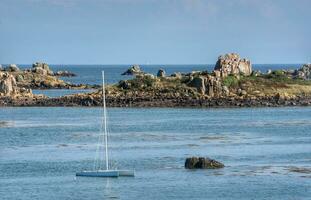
(41,149)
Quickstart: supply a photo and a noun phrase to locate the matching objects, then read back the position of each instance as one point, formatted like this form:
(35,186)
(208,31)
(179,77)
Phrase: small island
(232,83)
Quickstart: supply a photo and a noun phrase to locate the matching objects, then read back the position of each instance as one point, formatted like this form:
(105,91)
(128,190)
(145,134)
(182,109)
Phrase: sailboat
(107,171)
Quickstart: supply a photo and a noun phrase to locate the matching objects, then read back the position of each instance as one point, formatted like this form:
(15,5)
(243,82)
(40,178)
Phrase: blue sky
(154,31)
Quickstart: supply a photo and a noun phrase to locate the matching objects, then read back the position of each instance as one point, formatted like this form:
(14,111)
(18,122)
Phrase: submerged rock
(133,70)
(5,124)
(202,163)
(300,170)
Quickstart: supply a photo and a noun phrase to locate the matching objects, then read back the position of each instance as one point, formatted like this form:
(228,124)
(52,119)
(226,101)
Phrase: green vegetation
(231,81)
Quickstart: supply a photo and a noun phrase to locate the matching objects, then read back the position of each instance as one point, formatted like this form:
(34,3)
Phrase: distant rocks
(64,74)
(202,163)
(12,68)
(133,70)
(177,75)
(161,73)
(42,68)
(304,72)
(232,64)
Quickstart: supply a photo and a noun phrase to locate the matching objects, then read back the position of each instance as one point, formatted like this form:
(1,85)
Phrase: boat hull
(106,173)
(126,173)
(103,173)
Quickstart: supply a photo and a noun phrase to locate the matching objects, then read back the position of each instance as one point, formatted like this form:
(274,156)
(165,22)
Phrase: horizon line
(130,64)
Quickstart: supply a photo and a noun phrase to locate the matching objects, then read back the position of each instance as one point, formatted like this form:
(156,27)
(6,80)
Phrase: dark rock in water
(133,70)
(161,73)
(202,163)
(300,170)
(5,124)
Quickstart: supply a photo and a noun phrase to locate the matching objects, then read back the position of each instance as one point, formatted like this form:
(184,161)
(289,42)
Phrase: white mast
(105,122)
(107,172)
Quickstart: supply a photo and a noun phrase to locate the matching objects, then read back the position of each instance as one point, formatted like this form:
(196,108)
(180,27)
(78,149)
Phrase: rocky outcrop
(194,89)
(133,70)
(207,85)
(304,72)
(232,64)
(8,86)
(40,76)
(42,68)
(202,163)
(161,73)
(199,83)
(64,74)
(12,68)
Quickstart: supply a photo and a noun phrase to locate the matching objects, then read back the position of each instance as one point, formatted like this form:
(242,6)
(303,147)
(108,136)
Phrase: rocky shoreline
(90,101)
(233,83)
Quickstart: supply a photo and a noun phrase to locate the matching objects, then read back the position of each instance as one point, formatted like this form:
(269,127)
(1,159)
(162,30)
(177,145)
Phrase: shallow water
(61,92)
(42,148)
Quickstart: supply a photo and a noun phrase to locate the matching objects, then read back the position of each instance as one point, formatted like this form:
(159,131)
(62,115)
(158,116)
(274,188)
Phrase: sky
(154,31)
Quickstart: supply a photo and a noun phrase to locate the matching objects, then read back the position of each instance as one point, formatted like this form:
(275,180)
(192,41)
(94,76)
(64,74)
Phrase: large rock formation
(202,163)
(304,72)
(232,64)
(133,70)
(8,86)
(42,68)
(207,85)
(199,83)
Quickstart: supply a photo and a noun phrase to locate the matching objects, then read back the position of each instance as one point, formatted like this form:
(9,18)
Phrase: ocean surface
(41,149)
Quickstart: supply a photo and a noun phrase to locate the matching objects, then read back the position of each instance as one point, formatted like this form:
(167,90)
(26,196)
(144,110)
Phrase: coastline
(232,83)
(87,101)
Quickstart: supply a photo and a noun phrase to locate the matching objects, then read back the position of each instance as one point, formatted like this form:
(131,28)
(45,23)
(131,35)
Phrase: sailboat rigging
(107,172)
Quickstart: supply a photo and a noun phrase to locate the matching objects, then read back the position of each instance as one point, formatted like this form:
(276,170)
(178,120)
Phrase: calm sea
(41,149)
